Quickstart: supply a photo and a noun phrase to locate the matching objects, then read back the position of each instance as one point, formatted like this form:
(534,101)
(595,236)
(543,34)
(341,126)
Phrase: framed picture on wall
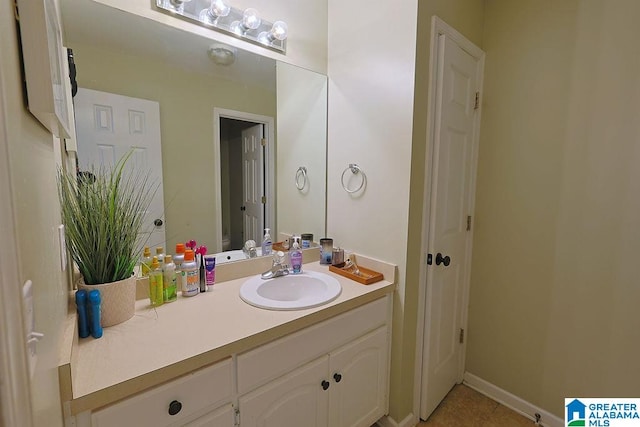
(45,68)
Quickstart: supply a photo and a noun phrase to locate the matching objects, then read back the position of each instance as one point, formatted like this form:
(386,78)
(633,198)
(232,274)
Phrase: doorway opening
(246,178)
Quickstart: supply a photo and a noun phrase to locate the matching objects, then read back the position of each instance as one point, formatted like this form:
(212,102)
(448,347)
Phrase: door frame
(439,27)
(269,165)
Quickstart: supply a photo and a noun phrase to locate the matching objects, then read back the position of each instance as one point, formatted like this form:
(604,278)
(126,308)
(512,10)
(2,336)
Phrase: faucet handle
(278,257)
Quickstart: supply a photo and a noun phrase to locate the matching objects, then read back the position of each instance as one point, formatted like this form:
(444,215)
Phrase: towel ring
(355,169)
(301,173)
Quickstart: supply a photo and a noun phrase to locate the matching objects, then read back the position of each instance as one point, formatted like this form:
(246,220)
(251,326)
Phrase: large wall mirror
(240,139)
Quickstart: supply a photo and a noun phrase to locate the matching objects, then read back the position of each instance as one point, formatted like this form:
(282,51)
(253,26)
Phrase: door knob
(242,208)
(442,260)
(157,222)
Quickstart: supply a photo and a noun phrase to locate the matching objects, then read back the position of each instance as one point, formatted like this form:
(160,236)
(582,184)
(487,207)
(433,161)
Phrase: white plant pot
(118,300)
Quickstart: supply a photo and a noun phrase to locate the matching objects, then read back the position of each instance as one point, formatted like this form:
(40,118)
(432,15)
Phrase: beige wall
(187,100)
(371,87)
(302,141)
(553,308)
(31,152)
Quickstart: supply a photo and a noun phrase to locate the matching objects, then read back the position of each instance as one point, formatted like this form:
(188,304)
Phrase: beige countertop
(159,344)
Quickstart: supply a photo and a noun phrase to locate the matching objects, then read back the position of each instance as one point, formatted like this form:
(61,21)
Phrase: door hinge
(476,105)
(468,222)
(264,200)
(263,142)
(236,417)
(461,335)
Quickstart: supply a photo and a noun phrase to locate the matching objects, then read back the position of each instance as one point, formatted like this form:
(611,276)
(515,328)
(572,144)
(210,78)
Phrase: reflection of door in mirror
(107,127)
(242,172)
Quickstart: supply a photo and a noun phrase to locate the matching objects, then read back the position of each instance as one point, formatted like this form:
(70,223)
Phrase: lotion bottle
(267,244)
(295,256)
(169,280)
(145,262)
(156,290)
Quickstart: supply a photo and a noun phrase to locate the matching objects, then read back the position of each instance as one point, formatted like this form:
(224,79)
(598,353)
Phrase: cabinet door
(294,400)
(359,374)
(221,417)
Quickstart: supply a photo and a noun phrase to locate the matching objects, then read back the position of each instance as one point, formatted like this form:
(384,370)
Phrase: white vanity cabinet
(332,374)
(347,388)
(205,391)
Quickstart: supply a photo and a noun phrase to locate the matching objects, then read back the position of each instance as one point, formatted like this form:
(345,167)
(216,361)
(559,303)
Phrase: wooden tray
(366,276)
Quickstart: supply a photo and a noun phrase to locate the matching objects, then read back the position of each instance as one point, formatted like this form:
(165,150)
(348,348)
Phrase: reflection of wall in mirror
(187,100)
(302,136)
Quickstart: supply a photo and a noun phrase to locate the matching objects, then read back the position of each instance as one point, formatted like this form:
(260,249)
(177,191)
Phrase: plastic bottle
(95,314)
(145,262)
(209,269)
(83,319)
(178,259)
(267,244)
(169,280)
(160,254)
(156,290)
(295,255)
(190,270)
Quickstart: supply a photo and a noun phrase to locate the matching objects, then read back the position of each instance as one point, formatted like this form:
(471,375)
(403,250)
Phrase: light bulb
(236,28)
(250,19)
(279,30)
(219,8)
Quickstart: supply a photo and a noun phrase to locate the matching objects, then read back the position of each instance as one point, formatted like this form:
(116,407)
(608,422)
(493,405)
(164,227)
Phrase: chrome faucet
(249,249)
(278,267)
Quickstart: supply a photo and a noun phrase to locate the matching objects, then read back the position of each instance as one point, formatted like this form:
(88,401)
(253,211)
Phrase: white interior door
(452,183)
(107,127)
(253,183)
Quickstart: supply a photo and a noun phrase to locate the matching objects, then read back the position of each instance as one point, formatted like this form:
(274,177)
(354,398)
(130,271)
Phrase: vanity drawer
(275,359)
(210,386)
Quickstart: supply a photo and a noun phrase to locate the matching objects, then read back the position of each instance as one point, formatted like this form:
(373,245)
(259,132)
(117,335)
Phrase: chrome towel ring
(355,169)
(301,178)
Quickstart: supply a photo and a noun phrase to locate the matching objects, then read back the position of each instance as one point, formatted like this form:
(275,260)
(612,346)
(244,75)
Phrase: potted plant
(103,212)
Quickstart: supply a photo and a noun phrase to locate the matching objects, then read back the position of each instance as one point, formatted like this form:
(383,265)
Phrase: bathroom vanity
(214,360)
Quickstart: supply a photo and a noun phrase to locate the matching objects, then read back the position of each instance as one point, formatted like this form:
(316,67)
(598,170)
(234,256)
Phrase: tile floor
(465,407)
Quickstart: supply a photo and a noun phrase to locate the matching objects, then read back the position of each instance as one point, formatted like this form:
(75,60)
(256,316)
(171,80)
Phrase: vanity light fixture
(218,15)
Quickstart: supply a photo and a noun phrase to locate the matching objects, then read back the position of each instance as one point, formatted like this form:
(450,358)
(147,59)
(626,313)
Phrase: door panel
(107,127)
(253,182)
(451,192)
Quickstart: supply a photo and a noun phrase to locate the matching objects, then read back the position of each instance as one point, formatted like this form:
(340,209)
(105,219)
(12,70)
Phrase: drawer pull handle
(337,377)
(174,407)
(325,384)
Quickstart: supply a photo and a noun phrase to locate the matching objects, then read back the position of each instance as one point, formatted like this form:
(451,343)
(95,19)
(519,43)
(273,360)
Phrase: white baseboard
(386,421)
(511,401)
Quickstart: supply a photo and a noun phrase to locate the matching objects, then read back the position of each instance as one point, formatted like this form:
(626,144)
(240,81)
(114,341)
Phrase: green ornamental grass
(103,213)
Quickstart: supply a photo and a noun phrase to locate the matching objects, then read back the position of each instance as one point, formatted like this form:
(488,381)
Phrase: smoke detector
(222,54)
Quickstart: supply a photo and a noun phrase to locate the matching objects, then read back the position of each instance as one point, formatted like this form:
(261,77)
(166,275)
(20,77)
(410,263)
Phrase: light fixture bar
(220,16)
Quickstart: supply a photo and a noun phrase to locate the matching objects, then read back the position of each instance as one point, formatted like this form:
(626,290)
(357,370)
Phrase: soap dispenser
(295,255)
(267,244)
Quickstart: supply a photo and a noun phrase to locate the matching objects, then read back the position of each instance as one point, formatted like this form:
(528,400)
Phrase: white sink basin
(292,292)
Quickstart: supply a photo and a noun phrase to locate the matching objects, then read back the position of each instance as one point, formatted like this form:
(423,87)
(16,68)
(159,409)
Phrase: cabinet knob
(337,377)
(325,384)
(174,407)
